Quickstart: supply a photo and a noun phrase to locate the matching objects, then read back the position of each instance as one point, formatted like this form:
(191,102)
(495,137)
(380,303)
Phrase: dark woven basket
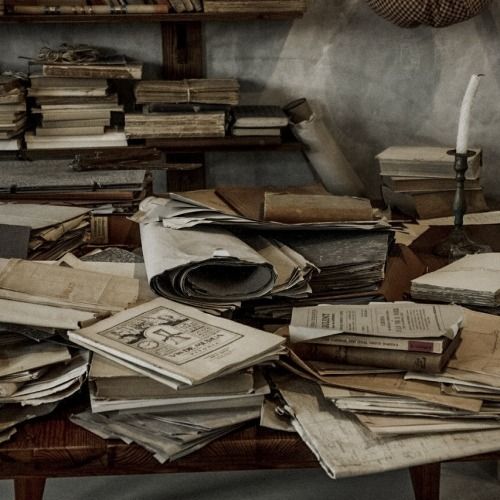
(437,13)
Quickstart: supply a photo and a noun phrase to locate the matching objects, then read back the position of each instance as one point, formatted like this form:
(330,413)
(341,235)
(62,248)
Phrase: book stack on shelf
(12,112)
(420,181)
(185,108)
(74,103)
(258,121)
(73,112)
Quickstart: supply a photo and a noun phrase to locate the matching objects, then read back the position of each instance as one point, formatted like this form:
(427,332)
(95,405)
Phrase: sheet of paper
(344,448)
(24,313)
(45,284)
(398,319)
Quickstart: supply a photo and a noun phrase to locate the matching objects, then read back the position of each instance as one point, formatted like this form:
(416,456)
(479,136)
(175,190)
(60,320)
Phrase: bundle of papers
(171,125)
(201,91)
(41,232)
(405,336)
(472,280)
(176,344)
(216,274)
(12,112)
(21,181)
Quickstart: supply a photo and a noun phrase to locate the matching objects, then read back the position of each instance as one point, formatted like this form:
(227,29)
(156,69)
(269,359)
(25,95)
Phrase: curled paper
(323,152)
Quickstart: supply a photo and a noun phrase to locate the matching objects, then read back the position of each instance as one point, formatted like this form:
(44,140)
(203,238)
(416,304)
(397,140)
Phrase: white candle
(465,111)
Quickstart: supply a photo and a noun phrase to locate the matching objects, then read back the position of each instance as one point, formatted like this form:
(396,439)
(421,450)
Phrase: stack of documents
(199,91)
(171,378)
(21,181)
(402,336)
(12,112)
(473,280)
(41,232)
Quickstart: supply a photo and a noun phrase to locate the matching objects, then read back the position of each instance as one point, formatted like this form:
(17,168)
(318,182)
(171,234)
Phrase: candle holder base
(458,245)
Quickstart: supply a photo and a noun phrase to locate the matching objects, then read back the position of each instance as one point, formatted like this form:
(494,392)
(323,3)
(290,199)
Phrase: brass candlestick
(458,244)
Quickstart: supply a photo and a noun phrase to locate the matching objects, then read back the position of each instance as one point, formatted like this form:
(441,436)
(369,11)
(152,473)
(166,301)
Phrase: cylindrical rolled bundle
(203,265)
(323,152)
(437,13)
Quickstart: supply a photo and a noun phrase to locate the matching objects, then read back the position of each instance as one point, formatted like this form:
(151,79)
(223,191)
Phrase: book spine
(412,345)
(392,359)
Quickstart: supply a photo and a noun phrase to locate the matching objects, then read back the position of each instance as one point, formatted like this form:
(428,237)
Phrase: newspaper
(401,320)
(178,341)
(344,448)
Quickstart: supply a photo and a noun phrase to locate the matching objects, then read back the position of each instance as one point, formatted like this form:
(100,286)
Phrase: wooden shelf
(227,143)
(148,18)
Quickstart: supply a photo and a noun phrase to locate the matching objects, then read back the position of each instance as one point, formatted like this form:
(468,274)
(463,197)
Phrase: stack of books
(199,91)
(393,336)
(420,181)
(73,112)
(12,112)
(231,6)
(258,121)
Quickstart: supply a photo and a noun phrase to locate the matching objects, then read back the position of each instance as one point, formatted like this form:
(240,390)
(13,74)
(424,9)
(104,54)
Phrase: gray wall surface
(375,84)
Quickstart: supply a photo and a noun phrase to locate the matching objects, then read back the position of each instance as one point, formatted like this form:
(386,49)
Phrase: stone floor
(460,481)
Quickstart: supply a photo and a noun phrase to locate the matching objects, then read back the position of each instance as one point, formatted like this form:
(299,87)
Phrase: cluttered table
(52,446)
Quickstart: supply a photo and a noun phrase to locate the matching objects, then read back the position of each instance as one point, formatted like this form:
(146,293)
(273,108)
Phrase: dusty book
(385,358)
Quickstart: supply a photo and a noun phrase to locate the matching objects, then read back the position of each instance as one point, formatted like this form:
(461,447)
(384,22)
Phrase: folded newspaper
(177,344)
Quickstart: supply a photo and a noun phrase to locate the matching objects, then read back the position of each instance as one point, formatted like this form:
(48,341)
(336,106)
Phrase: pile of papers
(258,120)
(12,112)
(199,91)
(472,280)
(171,378)
(37,372)
(41,232)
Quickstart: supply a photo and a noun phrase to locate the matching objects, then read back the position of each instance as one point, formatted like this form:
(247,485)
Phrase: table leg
(29,488)
(425,480)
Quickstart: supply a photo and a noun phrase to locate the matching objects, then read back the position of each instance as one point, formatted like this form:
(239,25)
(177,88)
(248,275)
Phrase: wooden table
(54,447)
